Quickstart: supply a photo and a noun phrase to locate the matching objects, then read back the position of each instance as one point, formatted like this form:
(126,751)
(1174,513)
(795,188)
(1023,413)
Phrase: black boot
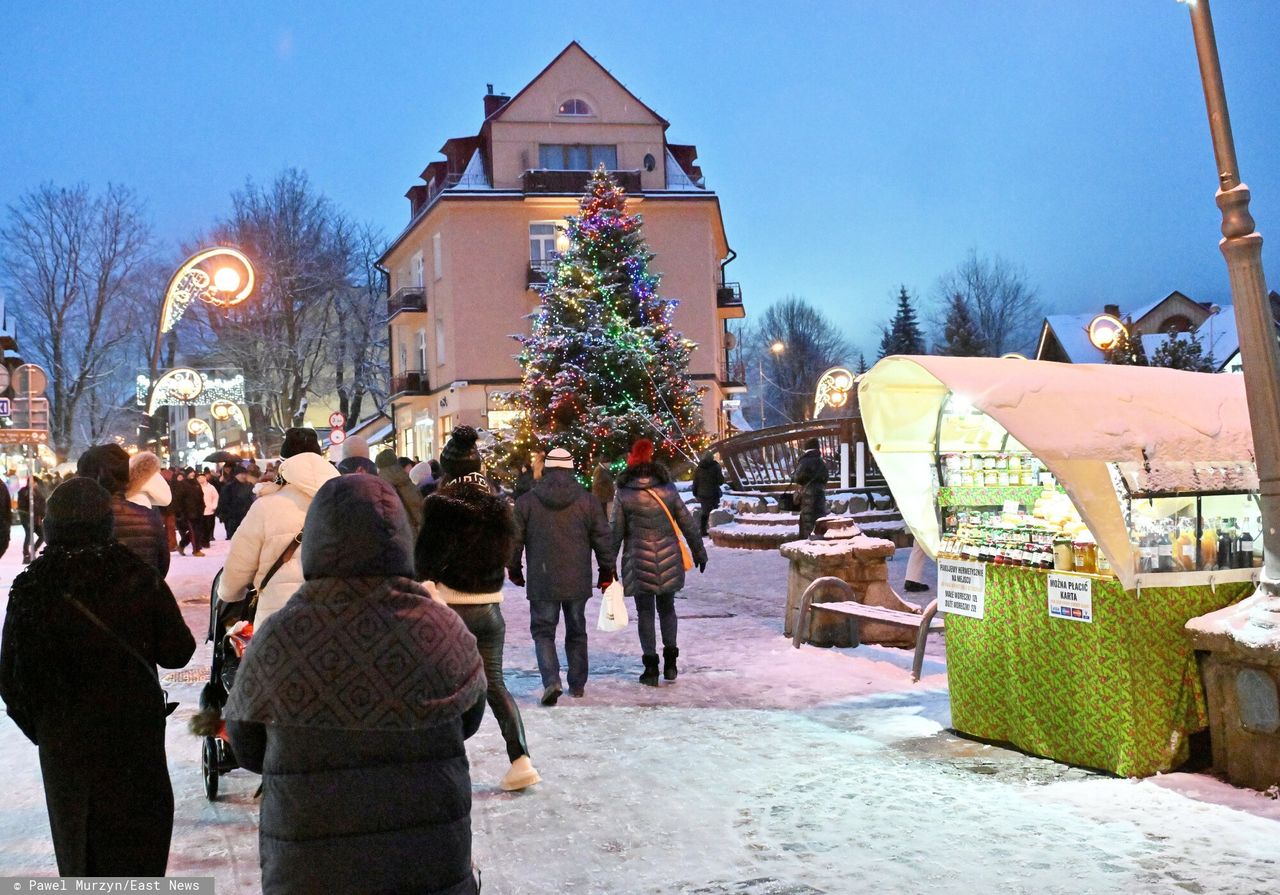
(650,676)
(669,656)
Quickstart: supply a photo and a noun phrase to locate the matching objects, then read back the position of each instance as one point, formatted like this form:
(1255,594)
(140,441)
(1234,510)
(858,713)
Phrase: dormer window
(577,107)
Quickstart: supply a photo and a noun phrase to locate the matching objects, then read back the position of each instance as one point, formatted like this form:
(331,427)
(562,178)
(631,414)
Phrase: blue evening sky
(854,145)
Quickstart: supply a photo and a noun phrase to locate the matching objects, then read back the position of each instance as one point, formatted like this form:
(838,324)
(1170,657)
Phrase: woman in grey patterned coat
(652,561)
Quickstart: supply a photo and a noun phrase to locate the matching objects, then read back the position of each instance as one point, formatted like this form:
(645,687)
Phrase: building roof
(1072,333)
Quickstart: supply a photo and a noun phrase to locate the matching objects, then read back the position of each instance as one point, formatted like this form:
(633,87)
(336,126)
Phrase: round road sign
(337,420)
(337,436)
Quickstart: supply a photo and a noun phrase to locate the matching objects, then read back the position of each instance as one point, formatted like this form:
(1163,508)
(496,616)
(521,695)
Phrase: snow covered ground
(762,771)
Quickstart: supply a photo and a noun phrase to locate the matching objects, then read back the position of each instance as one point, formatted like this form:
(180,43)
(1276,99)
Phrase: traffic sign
(30,380)
(337,420)
(337,436)
(5,408)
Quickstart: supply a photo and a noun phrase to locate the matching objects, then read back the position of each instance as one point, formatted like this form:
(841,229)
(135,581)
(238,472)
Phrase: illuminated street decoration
(833,390)
(1105,330)
(229,284)
(188,385)
(197,427)
(222,411)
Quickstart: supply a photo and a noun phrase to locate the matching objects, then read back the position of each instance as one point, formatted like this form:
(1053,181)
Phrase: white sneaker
(521,775)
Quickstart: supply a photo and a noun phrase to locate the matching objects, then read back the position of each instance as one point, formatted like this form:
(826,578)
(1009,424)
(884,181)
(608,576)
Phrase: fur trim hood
(142,467)
(643,475)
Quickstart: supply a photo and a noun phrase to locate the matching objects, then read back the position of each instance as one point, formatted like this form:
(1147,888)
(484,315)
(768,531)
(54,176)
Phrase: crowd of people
(377,587)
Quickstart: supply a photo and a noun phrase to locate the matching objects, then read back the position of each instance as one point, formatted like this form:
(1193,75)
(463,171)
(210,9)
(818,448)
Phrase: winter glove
(702,566)
(516,576)
(606,578)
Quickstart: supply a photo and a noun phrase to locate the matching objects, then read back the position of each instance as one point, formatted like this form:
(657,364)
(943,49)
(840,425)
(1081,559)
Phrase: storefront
(1080,515)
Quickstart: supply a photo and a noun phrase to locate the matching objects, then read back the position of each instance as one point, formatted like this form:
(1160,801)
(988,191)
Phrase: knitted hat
(106,464)
(641,452)
(300,441)
(460,455)
(79,512)
(421,473)
(811,444)
(559,458)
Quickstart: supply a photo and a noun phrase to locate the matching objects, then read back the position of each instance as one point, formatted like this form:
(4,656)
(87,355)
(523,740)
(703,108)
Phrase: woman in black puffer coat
(353,702)
(652,562)
(83,695)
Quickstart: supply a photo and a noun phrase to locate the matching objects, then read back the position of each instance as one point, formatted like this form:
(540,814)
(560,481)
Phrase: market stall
(1080,515)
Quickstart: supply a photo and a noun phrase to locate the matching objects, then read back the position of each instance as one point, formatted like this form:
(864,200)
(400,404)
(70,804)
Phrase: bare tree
(784,380)
(75,262)
(1005,308)
(361,341)
(301,248)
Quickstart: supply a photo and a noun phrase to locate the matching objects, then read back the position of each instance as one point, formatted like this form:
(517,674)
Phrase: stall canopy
(1167,430)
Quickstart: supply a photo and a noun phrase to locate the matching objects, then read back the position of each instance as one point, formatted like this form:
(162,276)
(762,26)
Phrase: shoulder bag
(166,706)
(685,555)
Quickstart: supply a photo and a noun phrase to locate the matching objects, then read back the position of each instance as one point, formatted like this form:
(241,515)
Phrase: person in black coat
(6,518)
(236,498)
(810,478)
(646,505)
(30,515)
(136,527)
(86,625)
(188,509)
(561,524)
(707,481)
(366,786)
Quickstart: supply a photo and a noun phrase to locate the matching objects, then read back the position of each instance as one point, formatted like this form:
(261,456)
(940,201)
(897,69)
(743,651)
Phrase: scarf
(359,654)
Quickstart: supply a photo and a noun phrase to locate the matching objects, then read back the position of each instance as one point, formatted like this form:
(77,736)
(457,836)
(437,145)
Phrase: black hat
(352,465)
(106,464)
(460,455)
(79,512)
(811,444)
(300,441)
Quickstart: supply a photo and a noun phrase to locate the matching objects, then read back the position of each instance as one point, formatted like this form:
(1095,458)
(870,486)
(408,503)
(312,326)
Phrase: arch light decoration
(833,391)
(181,385)
(230,283)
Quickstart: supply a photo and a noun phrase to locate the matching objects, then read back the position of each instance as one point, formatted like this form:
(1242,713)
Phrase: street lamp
(1242,246)
(777,347)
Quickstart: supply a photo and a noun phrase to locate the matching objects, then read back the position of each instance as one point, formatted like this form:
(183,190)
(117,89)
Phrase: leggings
(485,622)
(666,606)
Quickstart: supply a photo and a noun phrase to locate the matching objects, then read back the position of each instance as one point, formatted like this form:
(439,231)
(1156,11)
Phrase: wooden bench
(925,623)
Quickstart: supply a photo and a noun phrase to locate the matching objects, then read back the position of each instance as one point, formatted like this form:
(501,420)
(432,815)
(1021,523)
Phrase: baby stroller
(216,757)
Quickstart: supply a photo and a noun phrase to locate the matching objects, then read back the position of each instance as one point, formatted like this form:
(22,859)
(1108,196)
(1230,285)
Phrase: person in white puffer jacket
(147,487)
(274,519)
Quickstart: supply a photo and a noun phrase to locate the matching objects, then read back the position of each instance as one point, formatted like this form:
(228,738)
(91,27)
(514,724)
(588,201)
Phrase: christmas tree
(902,335)
(603,365)
(960,337)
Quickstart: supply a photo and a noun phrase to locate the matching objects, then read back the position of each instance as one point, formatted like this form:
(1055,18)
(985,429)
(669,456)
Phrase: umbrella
(222,457)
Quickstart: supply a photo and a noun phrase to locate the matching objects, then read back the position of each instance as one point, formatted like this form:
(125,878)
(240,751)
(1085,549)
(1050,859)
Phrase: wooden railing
(765,459)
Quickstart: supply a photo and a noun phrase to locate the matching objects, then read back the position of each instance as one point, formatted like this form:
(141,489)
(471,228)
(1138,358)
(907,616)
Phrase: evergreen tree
(902,335)
(604,366)
(862,364)
(1127,351)
(960,336)
(1183,354)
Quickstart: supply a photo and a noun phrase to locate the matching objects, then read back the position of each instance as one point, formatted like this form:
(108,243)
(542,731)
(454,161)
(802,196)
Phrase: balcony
(729,301)
(410,298)
(539,271)
(542,180)
(733,376)
(410,382)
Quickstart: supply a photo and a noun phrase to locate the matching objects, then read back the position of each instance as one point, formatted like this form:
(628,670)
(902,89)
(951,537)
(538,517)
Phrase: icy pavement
(762,771)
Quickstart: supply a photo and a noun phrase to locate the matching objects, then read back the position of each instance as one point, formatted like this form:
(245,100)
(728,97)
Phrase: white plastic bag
(613,609)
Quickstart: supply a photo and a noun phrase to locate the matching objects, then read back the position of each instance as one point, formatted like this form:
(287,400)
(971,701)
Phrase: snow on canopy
(1077,418)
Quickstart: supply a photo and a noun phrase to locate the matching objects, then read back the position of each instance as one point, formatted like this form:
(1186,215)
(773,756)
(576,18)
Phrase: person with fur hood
(87,623)
(467,535)
(646,515)
(147,487)
(138,528)
(273,522)
(366,784)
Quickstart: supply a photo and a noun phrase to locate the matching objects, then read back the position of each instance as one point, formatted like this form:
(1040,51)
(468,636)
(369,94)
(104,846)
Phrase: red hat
(641,452)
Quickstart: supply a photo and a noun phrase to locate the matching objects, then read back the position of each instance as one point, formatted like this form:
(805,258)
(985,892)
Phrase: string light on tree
(604,365)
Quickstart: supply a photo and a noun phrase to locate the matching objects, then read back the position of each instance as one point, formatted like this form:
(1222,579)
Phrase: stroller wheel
(209,767)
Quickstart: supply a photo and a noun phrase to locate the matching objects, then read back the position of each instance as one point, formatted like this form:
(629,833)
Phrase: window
(542,244)
(417,271)
(1178,323)
(437,257)
(439,342)
(422,349)
(404,355)
(577,157)
(424,430)
(575,107)
(446,429)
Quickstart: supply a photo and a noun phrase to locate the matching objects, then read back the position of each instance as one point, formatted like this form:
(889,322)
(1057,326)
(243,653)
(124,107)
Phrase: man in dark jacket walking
(707,481)
(237,496)
(137,527)
(188,506)
(560,524)
(810,478)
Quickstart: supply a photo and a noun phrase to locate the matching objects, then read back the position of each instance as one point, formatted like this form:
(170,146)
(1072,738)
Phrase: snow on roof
(1072,332)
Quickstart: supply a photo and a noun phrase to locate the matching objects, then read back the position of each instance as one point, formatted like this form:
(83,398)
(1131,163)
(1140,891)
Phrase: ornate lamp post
(1242,668)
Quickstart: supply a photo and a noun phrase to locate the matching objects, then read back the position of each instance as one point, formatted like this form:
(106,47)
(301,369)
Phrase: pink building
(483,230)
